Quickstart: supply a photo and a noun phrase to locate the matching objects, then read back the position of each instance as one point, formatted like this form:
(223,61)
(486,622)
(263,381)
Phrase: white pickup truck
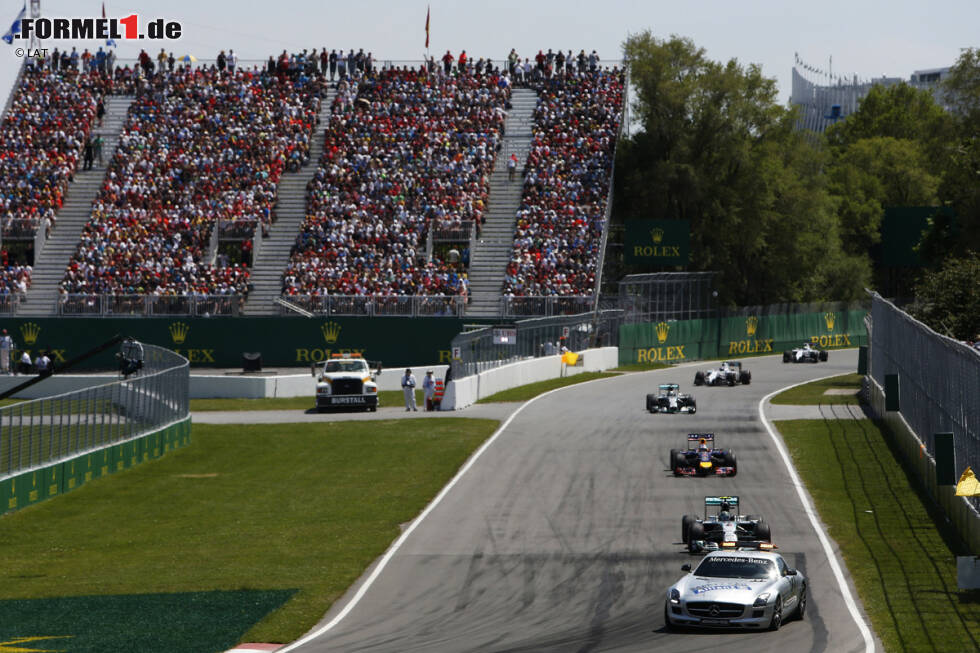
(345,381)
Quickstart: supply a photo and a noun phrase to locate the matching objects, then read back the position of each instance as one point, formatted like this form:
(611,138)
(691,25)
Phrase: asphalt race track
(565,533)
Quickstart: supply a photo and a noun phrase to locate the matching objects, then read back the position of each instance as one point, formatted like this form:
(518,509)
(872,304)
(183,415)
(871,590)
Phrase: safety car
(700,458)
(345,381)
(669,399)
(725,530)
(752,590)
(730,373)
(805,353)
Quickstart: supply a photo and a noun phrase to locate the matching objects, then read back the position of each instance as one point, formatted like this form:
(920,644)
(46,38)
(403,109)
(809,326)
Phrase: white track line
(869,644)
(390,553)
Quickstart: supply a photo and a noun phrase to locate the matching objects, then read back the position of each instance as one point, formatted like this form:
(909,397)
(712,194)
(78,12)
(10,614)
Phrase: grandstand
(824,98)
(271,190)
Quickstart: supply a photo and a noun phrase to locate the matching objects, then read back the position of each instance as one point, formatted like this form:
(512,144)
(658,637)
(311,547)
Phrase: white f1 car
(806,353)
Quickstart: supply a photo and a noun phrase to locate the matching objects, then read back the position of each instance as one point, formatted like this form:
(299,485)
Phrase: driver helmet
(703,445)
(724,515)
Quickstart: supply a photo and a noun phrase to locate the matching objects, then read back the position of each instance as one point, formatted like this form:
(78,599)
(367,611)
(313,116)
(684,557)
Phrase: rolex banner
(654,243)
(735,337)
(221,341)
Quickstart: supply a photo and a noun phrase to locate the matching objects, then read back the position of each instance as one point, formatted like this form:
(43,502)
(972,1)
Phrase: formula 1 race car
(671,400)
(806,353)
(702,459)
(727,530)
(729,373)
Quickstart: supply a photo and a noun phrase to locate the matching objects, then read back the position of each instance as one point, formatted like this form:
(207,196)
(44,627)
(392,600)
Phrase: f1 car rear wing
(730,502)
(694,439)
(669,386)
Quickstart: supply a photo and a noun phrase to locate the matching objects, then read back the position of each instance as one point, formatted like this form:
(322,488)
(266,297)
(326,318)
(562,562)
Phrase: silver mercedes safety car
(737,589)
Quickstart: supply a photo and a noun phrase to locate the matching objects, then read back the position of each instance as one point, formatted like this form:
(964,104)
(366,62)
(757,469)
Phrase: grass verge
(812,394)
(641,367)
(902,564)
(299,507)
(385,398)
(531,390)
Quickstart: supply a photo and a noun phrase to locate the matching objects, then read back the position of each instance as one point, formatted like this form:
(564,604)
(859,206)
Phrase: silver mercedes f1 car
(737,589)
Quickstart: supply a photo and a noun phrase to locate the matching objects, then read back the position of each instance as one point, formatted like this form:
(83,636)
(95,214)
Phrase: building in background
(825,98)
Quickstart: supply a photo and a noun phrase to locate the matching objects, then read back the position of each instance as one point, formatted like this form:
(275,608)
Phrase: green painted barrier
(735,337)
(221,341)
(31,487)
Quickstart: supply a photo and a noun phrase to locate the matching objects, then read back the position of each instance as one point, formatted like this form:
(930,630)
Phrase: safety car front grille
(715,609)
(347,386)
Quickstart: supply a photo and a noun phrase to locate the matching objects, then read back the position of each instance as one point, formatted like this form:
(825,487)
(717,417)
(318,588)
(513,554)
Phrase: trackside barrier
(466,391)
(53,444)
(939,381)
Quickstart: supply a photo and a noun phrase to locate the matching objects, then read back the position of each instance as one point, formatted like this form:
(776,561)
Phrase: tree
(901,112)
(948,300)
(871,174)
(716,149)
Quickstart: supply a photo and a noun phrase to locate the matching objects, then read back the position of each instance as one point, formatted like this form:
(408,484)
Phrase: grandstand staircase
(50,263)
(492,251)
(273,252)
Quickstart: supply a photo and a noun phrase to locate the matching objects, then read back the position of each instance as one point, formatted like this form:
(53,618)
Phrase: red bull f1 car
(702,459)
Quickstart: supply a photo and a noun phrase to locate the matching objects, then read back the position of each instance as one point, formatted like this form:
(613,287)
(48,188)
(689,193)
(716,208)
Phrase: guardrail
(82,305)
(370,305)
(51,445)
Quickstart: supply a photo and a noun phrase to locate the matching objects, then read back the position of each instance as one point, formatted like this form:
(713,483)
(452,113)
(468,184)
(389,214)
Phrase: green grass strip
(902,565)
(147,623)
(531,390)
(641,367)
(812,394)
(303,507)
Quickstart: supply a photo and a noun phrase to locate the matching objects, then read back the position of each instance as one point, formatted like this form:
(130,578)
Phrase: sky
(867,38)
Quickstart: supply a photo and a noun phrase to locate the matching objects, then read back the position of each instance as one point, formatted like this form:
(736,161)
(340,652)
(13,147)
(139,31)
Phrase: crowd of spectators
(41,139)
(198,145)
(567,175)
(405,151)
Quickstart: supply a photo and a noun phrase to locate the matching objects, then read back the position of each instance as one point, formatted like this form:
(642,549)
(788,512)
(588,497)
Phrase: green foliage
(873,173)
(949,300)
(715,148)
(900,112)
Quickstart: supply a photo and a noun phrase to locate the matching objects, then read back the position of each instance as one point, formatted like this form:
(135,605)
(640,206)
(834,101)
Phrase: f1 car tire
(694,407)
(824,355)
(686,522)
(677,460)
(699,378)
(731,380)
(787,356)
(763,532)
(746,377)
(694,534)
(651,403)
(731,461)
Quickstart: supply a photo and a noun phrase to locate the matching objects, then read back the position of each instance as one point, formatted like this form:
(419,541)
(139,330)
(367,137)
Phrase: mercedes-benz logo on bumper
(714,610)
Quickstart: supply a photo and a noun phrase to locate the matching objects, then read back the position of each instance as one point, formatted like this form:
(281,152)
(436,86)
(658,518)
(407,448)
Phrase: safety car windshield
(345,366)
(736,567)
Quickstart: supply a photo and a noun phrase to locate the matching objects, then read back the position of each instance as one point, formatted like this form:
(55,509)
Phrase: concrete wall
(961,513)
(461,393)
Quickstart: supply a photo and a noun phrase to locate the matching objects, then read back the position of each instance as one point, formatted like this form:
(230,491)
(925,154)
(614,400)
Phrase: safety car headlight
(674,596)
(761,600)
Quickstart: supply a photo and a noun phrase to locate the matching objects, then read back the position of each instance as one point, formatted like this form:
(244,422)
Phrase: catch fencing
(492,346)
(37,434)
(939,387)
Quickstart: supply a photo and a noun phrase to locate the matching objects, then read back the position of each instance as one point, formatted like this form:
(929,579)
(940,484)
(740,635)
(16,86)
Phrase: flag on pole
(15,26)
(427,11)
(968,486)
(111,43)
